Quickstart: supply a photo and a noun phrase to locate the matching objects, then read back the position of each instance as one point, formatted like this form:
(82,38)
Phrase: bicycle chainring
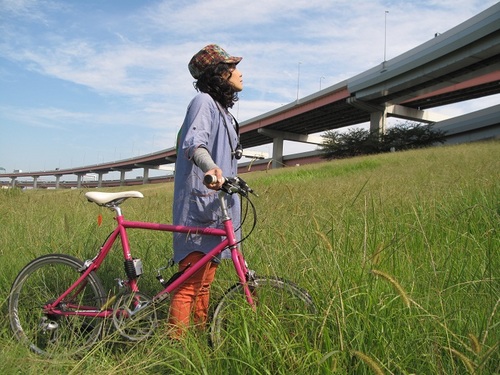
(134,316)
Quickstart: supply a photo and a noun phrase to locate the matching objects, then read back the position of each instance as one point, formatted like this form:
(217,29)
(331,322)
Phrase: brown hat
(210,55)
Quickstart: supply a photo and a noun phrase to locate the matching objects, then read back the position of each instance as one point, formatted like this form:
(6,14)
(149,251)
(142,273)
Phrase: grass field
(399,251)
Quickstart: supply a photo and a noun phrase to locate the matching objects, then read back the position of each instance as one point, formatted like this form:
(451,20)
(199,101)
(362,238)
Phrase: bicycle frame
(229,241)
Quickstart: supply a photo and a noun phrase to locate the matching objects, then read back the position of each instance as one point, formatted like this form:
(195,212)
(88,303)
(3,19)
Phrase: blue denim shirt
(194,204)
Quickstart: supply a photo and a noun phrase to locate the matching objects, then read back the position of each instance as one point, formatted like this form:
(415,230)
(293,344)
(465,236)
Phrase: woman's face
(235,78)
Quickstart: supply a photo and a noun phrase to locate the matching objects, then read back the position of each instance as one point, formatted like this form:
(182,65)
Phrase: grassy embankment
(400,252)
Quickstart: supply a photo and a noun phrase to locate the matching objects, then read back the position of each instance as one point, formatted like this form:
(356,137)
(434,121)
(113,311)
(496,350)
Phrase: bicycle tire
(41,281)
(283,316)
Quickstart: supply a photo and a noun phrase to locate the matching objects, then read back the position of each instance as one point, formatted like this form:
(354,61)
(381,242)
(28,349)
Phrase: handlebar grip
(210,179)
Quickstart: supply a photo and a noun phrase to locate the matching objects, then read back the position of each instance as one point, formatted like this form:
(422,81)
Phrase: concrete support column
(145,176)
(278,152)
(122,177)
(377,121)
(99,182)
(79,178)
(35,182)
(58,178)
(378,113)
(280,136)
(13,182)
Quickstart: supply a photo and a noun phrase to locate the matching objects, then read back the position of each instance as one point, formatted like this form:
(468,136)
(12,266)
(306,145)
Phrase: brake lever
(232,185)
(244,186)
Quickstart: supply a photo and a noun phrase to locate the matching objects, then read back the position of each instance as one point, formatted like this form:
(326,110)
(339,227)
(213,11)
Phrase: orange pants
(192,297)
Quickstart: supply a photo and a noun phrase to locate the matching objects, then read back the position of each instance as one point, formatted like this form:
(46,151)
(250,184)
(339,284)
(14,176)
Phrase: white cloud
(129,60)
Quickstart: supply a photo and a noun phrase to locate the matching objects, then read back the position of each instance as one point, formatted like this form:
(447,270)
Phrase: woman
(208,143)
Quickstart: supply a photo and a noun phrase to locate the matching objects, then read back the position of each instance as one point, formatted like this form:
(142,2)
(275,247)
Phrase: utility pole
(298,80)
(385,35)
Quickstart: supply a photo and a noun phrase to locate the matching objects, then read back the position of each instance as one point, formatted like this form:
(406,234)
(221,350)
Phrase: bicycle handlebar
(231,185)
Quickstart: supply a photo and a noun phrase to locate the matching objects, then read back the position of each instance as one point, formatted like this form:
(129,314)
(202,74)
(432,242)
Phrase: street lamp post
(298,80)
(385,35)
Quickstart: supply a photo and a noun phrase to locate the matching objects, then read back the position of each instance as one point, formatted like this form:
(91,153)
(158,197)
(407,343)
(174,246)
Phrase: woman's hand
(216,184)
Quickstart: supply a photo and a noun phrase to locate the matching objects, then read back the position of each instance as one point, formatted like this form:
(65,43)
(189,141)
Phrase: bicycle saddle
(106,198)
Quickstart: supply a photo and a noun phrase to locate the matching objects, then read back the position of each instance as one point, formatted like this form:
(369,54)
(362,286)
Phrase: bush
(356,142)
(407,136)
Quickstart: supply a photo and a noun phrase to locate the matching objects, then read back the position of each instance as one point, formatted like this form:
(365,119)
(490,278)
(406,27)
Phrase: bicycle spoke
(38,284)
(282,317)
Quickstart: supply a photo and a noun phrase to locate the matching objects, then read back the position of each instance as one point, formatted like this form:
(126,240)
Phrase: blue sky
(87,82)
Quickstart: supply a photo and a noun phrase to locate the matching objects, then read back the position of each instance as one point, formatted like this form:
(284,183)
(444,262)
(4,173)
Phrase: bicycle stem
(223,206)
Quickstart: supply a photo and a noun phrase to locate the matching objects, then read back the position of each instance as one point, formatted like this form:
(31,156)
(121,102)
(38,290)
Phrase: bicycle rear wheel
(42,281)
(282,318)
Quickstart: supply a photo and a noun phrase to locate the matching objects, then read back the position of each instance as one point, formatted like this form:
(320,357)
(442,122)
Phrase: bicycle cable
(244,217)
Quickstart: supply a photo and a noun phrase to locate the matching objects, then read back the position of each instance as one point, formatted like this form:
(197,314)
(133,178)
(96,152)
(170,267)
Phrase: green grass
(400,252)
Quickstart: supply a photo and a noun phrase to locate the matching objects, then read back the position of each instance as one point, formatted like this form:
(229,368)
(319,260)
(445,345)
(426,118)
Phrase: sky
(89,82)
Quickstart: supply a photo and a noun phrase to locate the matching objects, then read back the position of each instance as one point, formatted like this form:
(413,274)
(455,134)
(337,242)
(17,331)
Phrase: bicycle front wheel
(281,318)
(42,281)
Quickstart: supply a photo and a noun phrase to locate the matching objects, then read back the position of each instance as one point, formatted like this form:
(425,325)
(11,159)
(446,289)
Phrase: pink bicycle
(58,305)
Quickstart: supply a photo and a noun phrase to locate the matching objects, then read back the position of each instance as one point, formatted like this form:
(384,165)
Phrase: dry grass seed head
(474,342)
(395,284)
(368,361)
(467,363)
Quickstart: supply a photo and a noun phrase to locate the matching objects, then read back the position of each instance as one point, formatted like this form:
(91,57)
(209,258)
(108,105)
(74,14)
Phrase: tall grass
(399,251)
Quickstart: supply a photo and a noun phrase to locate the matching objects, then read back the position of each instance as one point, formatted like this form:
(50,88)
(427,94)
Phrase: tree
(412,135)
(402,136)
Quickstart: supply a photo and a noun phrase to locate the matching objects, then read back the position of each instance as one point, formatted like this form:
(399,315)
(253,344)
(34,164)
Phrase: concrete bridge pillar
(378,121)
(122,177)
(79,178)
(277,152)
(99,179)
(280,136)
(145,176)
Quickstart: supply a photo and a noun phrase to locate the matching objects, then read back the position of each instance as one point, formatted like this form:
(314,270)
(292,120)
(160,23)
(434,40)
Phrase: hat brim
(233,60)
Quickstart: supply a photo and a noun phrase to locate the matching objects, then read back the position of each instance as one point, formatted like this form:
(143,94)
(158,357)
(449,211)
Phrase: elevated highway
(458,65)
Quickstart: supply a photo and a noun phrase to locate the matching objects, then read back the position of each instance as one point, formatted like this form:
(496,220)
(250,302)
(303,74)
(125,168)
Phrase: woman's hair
(212,83)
